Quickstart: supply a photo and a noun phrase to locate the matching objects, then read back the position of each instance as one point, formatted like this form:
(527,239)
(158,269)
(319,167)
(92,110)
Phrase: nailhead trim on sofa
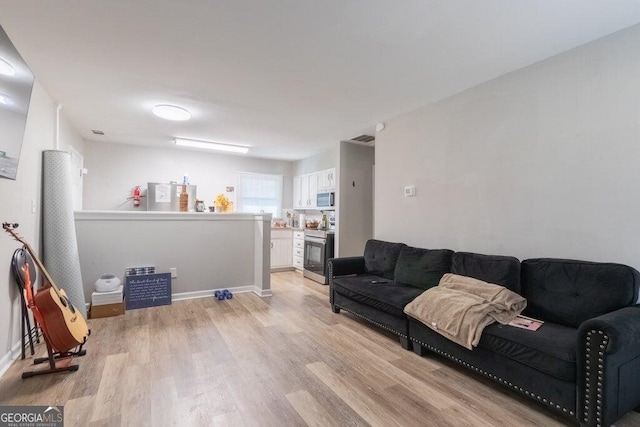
(330,283)
(596,344)
(495,378)
(356,314)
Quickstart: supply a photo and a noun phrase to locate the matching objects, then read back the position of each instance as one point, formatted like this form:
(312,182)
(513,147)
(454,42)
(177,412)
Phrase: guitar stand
(30,333)
(58,361)
(58,355)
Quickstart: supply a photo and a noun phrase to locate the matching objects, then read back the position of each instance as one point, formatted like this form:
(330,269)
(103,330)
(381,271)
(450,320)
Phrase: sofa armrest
(622,327)
(608,359)
(343,267)
(346,266)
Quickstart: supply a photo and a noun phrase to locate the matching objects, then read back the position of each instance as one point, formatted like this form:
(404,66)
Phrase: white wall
(354,222)
(115,169)
(325,160)
(15,206)
(69,137)
(209,251)
(543,161)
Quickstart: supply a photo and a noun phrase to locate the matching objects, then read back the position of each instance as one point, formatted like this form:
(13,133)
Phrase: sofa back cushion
(380,257)
(422,268)
(501,270)
(569,291)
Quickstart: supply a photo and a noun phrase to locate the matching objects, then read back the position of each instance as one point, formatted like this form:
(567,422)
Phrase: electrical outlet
(174,272)
(410,191)
(33,206)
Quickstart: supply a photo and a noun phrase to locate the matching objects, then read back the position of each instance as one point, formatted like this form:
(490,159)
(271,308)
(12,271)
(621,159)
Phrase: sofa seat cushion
(385,296)
(422,268)
(551,349)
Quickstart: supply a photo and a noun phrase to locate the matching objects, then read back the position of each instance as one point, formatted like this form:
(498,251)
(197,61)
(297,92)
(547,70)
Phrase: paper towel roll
(60,247)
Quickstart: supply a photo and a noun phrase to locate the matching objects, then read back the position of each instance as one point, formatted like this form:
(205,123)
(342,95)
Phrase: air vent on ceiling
(367,140)
(97,132)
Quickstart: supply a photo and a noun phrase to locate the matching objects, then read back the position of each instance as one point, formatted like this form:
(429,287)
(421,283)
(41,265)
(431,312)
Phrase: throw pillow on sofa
(422,268)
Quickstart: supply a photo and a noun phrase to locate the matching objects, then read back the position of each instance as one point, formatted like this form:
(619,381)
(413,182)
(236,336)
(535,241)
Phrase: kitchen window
(258,192)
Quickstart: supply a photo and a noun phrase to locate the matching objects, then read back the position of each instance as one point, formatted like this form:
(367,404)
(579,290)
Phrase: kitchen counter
(210,251)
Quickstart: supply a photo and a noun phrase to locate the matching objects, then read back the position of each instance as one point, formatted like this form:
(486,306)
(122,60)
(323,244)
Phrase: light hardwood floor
(283,360)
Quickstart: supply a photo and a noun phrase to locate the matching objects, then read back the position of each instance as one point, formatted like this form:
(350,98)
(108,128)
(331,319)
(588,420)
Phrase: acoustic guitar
(65,326)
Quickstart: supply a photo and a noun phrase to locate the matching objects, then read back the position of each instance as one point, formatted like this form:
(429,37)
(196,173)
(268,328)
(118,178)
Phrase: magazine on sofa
(525,322)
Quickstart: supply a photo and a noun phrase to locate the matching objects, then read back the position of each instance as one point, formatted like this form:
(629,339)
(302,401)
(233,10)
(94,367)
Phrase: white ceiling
(287,77)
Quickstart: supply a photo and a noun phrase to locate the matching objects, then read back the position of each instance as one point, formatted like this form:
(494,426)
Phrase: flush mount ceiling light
(211,145)
(6,68)
(171,112)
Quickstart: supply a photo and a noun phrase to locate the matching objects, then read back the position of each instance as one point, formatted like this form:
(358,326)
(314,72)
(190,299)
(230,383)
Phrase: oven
(318,248)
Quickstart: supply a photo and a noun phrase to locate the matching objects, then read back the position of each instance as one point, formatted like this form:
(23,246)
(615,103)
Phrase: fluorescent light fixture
(171,112)
(6,68)
(211,145)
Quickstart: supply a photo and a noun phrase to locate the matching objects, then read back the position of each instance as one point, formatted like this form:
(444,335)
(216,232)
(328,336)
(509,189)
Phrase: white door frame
(77,175)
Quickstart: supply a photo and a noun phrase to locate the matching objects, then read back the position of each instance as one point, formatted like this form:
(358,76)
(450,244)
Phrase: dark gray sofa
(583,362)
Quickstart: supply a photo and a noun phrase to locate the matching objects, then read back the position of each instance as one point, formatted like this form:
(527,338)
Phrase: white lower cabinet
(281,249)
(298,249)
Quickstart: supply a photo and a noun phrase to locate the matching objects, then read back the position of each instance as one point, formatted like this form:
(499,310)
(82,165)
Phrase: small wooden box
(106,310)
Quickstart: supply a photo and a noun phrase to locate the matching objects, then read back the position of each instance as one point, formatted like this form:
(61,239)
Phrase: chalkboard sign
(148,290)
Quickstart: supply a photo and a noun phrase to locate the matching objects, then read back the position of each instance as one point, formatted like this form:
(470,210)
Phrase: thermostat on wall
(410,191)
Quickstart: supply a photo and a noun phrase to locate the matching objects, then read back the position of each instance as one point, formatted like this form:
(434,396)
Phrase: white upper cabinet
(313,190)
(297,193)
(306,188)
(326,180)
(305,191)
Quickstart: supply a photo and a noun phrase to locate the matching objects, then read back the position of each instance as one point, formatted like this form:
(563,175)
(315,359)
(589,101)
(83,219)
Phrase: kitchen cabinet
(313,190)
(305,191)
(281,249)
(298,249)
(297,195)
(326,180)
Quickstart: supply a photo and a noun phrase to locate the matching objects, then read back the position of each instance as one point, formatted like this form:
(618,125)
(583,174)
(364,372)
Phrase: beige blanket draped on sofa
(460,307)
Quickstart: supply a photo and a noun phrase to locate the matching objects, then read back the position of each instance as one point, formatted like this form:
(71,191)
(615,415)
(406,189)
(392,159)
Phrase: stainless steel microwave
(326,200)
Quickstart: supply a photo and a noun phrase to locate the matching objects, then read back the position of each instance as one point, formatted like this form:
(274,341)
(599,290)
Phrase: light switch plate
(410,191)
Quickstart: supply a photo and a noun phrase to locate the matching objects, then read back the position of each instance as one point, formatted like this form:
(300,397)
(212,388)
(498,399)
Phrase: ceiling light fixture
(171,112)
(6,68)
(211,145)
(4,99)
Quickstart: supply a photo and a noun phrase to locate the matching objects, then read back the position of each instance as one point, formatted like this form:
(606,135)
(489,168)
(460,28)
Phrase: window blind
(259,192)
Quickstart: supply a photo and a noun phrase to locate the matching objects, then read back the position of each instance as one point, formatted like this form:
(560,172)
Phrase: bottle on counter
(324,223)
(184,200)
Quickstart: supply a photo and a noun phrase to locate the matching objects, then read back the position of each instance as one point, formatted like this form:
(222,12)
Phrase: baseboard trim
(262,292)
(181,296)
(209,293)
(281,269)
(10,357)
